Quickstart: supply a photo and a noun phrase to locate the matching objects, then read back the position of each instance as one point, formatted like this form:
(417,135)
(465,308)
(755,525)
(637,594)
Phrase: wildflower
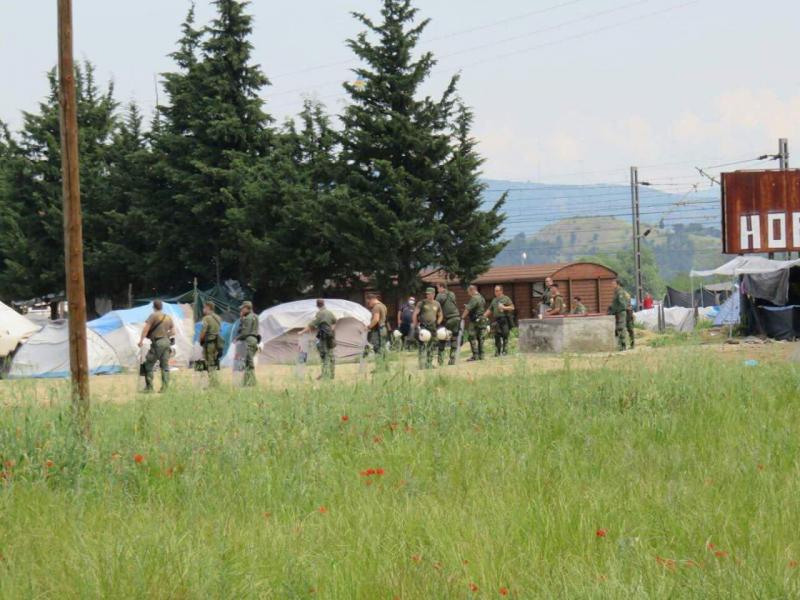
(720,554)
(379,471)
(49,463)
(377,439)
(416,558)
(370,472)
(792,564)
(473,587)
(138,458)
(710,546)
(601,533)
(323,510)
(504,591)
(345,418)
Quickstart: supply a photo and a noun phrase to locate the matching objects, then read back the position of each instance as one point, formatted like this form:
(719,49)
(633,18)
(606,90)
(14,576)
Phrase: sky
(572,91)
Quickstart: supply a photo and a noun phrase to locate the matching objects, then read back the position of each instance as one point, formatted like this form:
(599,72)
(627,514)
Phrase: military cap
(430,290)
(247,304)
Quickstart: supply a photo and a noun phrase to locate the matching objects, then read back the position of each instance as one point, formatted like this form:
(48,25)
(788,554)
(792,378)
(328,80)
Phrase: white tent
(280,327)
(14,329)
(46,354)
(747,265)
(676,318)
(122,329)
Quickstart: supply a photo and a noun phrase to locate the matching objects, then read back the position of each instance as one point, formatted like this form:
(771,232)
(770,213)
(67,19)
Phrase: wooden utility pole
(73,231)
(637,238)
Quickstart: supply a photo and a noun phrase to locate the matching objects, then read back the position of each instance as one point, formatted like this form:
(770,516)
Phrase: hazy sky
(572,91)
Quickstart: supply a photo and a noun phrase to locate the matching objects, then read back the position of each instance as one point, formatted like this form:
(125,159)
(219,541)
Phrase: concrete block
(593,333)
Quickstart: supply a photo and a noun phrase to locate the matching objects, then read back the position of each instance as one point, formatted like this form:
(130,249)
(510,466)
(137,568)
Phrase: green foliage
(622,262)
(213,190)
(686,463)
(409,160)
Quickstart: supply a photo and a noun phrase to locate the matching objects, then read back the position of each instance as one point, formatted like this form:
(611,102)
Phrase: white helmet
(397,334)
(488,329)
(441,334)
(424,336)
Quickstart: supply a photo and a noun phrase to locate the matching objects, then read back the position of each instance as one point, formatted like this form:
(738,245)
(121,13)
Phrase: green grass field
(666,475)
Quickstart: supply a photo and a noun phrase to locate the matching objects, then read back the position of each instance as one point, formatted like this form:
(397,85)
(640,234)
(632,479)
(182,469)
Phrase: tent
(46,354)
(280,327)
(769,294)
(676,318)
(122,328)
(14,329)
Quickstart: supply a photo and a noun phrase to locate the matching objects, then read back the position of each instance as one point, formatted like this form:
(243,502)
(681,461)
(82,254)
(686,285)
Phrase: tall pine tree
(213,129)
(398,151)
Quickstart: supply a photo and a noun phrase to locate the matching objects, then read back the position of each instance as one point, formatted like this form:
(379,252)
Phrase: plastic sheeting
(729,312)
(14,329)
(46,354)
(744,265)
(122,329)
(280,327)
(676,318)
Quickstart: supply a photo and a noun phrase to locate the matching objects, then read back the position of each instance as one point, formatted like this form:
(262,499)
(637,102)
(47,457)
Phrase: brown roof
(501,274)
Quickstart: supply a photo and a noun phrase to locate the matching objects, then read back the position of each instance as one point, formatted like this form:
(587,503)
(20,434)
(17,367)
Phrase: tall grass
(633,482)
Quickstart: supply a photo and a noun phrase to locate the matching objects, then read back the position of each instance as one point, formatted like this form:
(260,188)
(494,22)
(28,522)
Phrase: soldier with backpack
(324,323)
(452,320)
(474,309)
(211,341)
(160,330)
(427,317)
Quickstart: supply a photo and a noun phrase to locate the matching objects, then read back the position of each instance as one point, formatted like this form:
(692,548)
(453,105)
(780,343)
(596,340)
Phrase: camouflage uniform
(629,317)
(377,336)
(557,303)
(502,324)
(579,309)
(160,326)
(326,340)
(212,342)
(452,322)
(618,308)
(248,333)
(428,316)
(477,325)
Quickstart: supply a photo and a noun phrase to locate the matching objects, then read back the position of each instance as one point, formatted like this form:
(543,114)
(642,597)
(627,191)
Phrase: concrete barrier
(594,333)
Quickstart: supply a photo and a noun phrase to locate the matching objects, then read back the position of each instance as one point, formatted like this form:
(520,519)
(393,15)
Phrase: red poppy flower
(49,464)
(416,558)
(710,546)
(473,587)
(379,471)
(138,458)
(601,532)
(720,554)
(504,591)
(323,510)
(345,418)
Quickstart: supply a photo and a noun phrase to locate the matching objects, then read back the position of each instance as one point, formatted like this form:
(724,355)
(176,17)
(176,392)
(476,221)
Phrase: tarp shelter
(14,329)
(280,327)
(122,328)
(769,294)
(46,354)
(227,299)
(676,318)
(710,295)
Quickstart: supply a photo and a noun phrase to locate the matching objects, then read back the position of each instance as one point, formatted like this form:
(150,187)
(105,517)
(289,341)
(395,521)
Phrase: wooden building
(524,285)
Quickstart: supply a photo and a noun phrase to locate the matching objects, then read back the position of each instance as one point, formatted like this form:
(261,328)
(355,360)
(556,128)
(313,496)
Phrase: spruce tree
(405,164)
(32,243)
(212,130)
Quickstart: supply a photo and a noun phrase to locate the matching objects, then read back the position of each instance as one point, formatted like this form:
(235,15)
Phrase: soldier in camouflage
(211,341)
(248,333)
(476,329)
(160,329)
(618,308)
(427,315)
(325,325)
(501,309)
(377,335)
(452,322)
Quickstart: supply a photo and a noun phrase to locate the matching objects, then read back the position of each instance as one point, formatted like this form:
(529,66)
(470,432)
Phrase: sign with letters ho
(760,211)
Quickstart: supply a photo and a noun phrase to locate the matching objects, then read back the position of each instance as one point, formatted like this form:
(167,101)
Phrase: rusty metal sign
(760,211)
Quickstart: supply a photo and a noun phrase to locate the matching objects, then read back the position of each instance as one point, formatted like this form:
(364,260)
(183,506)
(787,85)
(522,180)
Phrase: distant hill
(555,223)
